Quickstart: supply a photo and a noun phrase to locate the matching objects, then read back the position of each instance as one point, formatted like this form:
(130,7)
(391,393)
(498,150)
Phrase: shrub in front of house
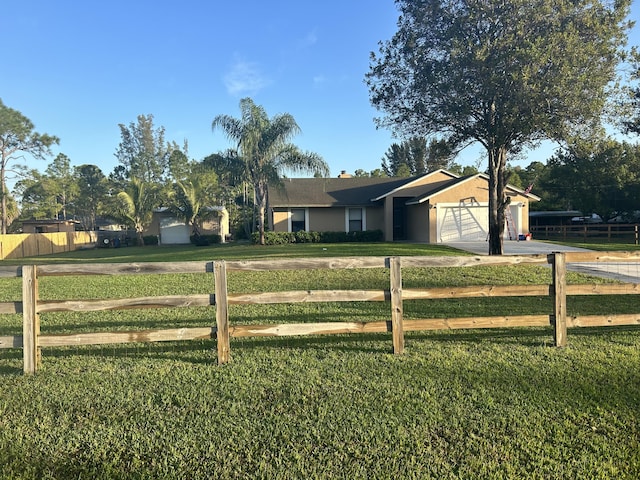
(342,237)
(283,238)
(205,240)
(274,238)
(150,239)
(307,237)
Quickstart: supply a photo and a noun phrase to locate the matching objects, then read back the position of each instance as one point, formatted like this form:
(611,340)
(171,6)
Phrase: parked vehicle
(593,218)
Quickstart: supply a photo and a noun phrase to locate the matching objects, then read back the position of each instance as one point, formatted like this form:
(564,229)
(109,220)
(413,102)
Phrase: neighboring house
(173,230)
(49,226)
(433,208)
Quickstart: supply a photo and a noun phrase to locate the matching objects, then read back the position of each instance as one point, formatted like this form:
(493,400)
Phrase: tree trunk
(3,202)
(497,200)
(261,199)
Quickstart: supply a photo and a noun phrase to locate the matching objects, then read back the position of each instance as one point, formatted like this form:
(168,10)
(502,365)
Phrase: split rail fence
(616,232)
(33,340)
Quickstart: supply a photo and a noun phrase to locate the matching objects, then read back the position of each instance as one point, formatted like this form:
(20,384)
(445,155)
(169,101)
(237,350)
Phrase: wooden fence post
(30,319)
(560,299)
(222,312)
(397,328)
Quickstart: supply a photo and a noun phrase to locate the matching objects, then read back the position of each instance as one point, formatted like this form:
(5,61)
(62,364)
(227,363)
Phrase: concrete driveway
(512,247)
(628,272)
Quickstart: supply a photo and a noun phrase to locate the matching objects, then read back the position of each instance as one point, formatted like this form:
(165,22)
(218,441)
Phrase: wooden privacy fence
(32,340)
(19,245)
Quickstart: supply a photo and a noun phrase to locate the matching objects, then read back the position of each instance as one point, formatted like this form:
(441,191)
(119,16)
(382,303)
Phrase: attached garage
(470,222)
(462,222)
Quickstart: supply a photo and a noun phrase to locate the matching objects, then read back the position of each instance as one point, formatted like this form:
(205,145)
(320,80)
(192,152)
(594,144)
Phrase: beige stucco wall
(433,222)
(524,211)
(476,189)
(154,227)
(280,219)
(375,218)
(328,219)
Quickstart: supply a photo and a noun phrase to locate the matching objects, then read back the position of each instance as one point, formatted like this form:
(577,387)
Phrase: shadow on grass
(368,343)
(11,362)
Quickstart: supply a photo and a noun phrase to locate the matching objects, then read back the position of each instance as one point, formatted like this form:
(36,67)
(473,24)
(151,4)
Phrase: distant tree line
(596,175)
(153,173)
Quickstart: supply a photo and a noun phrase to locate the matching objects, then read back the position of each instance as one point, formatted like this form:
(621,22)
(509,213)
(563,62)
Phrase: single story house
(436,207)
(173,230)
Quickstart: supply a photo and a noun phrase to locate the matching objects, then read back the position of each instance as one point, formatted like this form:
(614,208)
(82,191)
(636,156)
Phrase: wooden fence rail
(32,340)
(621,232)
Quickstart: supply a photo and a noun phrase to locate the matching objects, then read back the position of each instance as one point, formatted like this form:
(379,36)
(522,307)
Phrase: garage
(462,222)
(470,222)
(173,231)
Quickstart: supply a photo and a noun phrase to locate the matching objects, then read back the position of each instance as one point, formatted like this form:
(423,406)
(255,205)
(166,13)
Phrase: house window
(355,220)
(298,219)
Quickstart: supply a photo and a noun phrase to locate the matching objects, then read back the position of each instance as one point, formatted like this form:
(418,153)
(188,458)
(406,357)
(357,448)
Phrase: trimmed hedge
(205,240)
(283,238)
(150,239)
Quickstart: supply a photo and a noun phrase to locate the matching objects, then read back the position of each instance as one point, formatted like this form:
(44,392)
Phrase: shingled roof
(360,191)
(332,192)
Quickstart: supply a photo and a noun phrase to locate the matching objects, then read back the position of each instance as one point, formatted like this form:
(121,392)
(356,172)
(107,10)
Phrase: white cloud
(245,78)
(319,80)
(309,40)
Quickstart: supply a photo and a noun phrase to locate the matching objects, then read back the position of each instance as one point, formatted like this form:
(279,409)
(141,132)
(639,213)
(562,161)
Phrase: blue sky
(78,69)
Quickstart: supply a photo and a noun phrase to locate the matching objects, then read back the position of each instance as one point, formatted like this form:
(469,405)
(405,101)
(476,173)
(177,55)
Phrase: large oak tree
(505,74)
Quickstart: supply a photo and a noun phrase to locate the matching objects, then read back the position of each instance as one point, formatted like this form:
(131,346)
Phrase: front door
(400,218)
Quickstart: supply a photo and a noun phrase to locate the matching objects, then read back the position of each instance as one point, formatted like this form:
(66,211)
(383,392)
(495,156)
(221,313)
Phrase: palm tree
(193,195)
(136,205)
(264,145)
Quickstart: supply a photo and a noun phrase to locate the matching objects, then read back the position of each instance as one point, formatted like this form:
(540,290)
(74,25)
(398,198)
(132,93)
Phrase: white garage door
(471,223)
(173,231)
(462,222)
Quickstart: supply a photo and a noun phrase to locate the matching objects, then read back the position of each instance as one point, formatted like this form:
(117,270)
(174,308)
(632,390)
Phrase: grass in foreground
(456,405)
(235,251)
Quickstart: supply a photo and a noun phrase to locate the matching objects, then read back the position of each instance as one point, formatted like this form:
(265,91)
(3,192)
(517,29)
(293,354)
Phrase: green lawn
(235,251)
(457,405)
(599,244)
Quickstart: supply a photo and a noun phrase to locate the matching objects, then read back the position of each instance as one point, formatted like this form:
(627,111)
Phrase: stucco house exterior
(436,207)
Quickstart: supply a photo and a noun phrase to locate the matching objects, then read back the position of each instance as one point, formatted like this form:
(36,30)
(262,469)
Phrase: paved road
(628,272)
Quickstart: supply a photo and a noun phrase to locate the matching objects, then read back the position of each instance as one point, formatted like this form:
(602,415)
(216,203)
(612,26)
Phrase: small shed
(172,230)
(49,226)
